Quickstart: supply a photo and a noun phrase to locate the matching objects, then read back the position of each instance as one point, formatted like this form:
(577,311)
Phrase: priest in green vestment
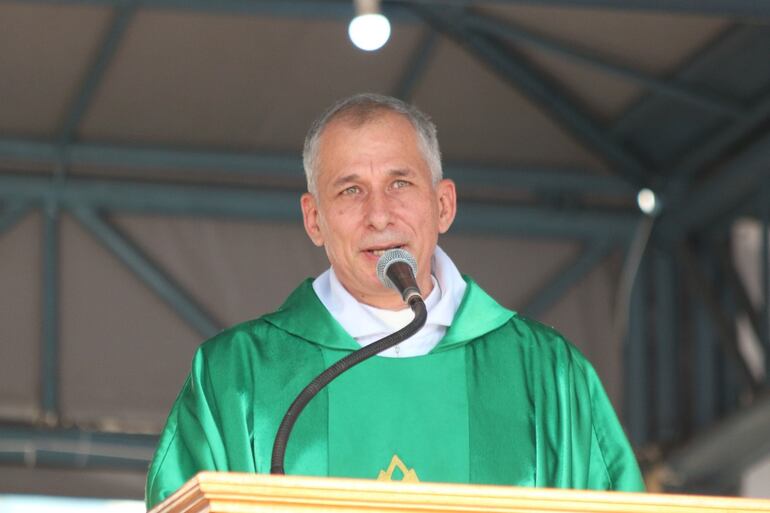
(478,395)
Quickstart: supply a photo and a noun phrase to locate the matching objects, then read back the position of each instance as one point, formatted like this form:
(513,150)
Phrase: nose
(378,211)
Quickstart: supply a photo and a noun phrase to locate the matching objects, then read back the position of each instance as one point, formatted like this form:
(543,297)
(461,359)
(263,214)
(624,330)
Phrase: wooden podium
(243,493)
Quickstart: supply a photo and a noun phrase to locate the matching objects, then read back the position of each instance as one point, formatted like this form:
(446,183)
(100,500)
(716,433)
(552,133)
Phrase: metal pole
(636,386)
(666,346)
(49,354)
(566,278)
(540,89)
(149,272)
(706,354)
(124,12)
(765,274)
(575,53)
(13,212)
(701,287)
(417,65)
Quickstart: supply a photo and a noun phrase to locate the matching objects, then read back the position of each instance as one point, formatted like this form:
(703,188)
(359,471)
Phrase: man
(479,395)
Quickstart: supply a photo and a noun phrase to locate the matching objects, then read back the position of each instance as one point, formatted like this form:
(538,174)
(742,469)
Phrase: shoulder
(512,333)
(240,344)
(545,341)
(545,356)
(238,335)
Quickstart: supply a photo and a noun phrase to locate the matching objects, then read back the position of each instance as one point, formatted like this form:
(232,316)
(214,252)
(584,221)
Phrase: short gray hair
(360,109)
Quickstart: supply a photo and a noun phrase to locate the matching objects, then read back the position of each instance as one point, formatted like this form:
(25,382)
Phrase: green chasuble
(500,400)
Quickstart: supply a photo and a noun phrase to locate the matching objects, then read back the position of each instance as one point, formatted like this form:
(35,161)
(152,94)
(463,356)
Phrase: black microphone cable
(284,430)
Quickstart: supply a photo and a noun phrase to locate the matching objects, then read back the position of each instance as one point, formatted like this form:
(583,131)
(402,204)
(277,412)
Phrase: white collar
(363,321)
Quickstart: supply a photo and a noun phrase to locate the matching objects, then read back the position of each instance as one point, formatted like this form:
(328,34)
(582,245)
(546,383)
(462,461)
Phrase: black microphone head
(389,258)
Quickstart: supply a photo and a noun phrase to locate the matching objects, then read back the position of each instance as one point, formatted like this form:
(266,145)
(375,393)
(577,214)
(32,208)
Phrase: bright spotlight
(369,31)
(647,201)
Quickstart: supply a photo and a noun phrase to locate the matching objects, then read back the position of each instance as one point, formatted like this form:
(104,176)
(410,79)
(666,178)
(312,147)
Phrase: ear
(447,204)
(310,217)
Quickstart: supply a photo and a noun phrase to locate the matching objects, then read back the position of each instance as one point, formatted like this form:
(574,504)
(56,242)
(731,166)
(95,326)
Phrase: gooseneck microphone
(398,271)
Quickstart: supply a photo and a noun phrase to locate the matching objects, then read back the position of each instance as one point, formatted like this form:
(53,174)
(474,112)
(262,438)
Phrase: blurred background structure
(150,174)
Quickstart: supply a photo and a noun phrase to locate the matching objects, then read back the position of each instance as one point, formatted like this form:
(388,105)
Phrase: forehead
(388,136)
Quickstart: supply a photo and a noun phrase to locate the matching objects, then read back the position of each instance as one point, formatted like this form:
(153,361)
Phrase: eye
(349,191)
(400,184)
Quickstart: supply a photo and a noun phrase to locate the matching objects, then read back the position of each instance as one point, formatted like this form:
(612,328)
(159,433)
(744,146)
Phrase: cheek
(427,216)
(333,218)
(338,233)
(346,220)
(340,210)
(341,213)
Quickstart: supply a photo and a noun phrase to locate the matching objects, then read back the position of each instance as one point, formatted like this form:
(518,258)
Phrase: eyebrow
(401,172)
(352,177)
(344,179)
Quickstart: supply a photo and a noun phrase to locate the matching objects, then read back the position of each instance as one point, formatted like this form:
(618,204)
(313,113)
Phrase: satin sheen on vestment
(500,400)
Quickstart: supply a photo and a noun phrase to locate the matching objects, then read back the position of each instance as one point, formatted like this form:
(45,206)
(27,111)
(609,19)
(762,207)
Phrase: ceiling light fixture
(648,202)
(369,30)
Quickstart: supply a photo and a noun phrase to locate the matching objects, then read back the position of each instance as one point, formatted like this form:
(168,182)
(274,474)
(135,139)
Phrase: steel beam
(764,272)
(236,163)
(49,350)
(636,383)
(549,96)
(721,8)
(415,69)
(667,401)
(148,271)
(541,180)
(148,197)
(309,9)
(732,387)
(573,52)
(516,220)
(707,151)
(728,190)
(683,171)
(566,278)
(75,448)
(13,212)
(196,200)
(122,17)
(342,8)
(705,355)
(289,167)
(740,294)
(751,206)
(731,37)
(700,287)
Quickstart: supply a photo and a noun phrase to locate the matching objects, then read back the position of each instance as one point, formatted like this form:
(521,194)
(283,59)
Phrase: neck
(391,300)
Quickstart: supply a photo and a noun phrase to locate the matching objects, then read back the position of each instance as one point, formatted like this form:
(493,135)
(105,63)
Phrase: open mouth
(381,251)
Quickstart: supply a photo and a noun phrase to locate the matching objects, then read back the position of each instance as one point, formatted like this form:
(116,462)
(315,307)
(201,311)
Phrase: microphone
(397,269)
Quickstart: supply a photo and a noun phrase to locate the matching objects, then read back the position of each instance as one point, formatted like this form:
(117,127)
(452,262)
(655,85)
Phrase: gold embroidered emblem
(408,474)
